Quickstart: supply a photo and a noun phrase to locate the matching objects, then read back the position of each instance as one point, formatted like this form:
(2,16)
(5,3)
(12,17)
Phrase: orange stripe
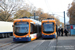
(33,38)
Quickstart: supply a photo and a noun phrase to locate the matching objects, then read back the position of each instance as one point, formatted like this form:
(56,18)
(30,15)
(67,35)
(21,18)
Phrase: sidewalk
(66,43)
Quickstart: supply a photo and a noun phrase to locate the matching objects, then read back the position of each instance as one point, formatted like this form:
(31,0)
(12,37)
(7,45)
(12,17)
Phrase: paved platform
(65,43)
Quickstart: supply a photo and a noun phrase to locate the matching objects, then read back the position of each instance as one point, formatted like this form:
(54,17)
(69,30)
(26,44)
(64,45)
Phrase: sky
(56,7)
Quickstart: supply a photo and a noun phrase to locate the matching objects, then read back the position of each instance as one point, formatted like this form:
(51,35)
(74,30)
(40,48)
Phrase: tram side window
(56,28)
(31,29)
(39,28)
(35,29)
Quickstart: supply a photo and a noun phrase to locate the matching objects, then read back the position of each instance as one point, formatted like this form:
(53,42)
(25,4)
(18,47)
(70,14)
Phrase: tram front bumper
(22,39)
(49,36)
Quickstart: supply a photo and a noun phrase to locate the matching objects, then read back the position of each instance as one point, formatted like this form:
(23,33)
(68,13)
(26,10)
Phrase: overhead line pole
(34,15)
(64,19)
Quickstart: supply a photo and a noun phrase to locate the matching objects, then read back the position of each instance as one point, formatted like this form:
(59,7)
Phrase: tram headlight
(14,36)
(27,36)
(54,34)
(42,34)
(47,35)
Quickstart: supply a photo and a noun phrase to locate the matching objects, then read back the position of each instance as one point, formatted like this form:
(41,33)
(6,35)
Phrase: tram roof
(48,20)
(36,21)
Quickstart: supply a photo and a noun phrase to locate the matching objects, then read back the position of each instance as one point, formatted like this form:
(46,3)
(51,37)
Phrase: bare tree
(8,9)
(71,12)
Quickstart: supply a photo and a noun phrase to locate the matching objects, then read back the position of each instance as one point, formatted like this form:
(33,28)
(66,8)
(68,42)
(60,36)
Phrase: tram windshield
(21,28)
(48,27)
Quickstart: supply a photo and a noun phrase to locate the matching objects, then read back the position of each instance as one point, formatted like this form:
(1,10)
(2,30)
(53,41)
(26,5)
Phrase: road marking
(51,42)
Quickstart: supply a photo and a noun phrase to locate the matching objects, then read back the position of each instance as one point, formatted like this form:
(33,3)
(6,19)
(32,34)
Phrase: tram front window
(21,28)
(48,27)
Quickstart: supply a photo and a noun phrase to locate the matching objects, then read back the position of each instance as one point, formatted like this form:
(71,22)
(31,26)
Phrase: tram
(48,28)
(26,29)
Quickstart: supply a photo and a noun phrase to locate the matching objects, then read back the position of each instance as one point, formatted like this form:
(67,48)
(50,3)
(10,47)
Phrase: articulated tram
(48,28)
(26,29)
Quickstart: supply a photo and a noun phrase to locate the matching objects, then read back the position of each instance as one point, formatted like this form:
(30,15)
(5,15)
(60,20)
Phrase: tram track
(13,45)
(39,43)
(16,46)
(5,42)
(5,45)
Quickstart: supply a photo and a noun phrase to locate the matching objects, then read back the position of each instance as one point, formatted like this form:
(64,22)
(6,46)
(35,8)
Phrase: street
(62,43)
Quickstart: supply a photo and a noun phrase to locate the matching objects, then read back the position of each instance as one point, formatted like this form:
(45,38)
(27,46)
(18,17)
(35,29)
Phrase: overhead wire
(47,6)
(46,3)
(50,11)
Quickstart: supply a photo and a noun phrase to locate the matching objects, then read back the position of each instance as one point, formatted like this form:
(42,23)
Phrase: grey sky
(53,7)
